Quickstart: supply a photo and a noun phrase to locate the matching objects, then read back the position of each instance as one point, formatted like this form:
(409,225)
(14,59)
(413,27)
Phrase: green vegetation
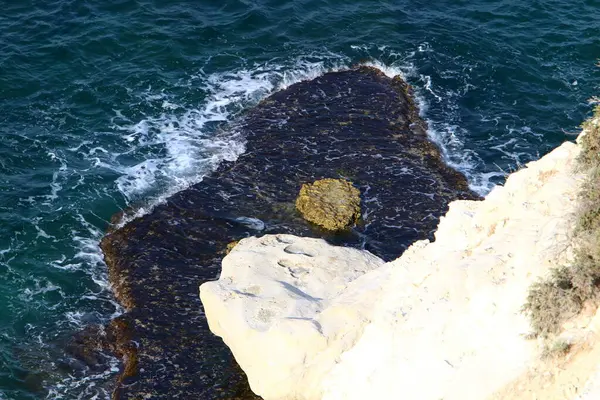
(558,348)
(591,142)
(564,293)
(552,301)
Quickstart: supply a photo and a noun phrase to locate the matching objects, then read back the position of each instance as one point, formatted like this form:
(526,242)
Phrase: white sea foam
(447,134)
(90,254)
(41,286)
(391,70)
(57,177)
(176,145)
(85,387)
(190,148)
(186,135)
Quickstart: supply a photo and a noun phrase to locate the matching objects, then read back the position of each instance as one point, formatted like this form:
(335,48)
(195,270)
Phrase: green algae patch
(333,204)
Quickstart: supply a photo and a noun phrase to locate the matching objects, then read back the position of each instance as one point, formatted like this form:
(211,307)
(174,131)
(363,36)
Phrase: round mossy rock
(333,204)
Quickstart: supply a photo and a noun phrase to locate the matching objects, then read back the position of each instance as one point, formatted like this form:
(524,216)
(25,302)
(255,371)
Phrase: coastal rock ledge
(309,321)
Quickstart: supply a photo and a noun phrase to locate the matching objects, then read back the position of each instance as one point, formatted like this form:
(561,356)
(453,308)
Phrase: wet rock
(88,347)
(358,125)
(91,346)
(333,204)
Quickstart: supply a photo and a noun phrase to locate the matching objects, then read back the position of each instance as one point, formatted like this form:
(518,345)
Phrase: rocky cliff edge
(307,321)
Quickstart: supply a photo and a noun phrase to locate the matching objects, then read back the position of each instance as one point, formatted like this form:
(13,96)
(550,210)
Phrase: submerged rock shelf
(358,125)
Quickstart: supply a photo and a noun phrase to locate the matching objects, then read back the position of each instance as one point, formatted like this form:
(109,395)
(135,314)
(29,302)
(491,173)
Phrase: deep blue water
(113,103)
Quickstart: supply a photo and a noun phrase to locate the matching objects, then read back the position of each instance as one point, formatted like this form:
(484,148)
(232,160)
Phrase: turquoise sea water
(113,103)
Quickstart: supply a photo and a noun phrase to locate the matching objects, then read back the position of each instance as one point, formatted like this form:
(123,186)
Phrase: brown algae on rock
(333,204)
(230,246)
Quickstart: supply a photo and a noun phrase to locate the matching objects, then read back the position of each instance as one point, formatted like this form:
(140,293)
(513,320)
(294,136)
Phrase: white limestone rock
(449,324)
(310,321)
(284,307)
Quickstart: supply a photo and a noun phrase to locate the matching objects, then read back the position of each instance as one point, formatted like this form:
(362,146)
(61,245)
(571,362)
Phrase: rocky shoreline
(358,125)
(503,305)
(336,325)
